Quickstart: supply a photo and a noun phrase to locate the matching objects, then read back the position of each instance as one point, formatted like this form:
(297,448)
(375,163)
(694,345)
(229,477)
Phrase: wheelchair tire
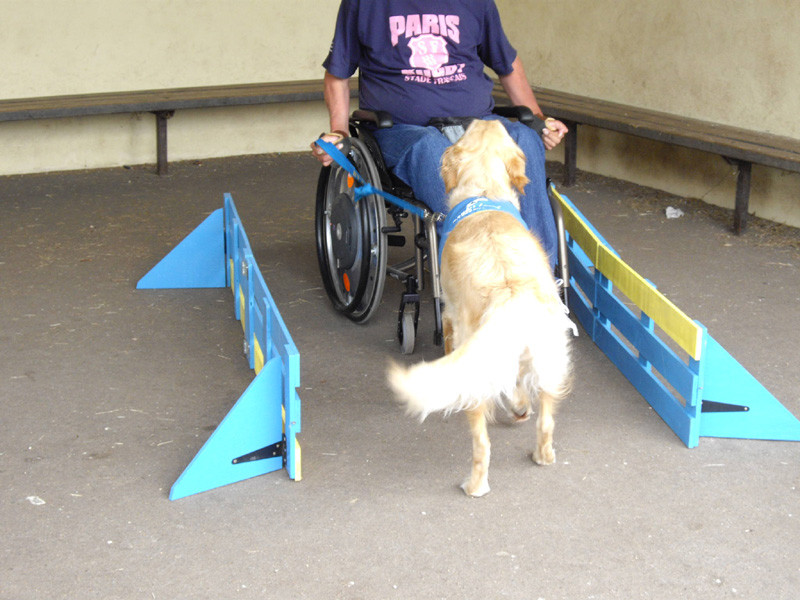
(351,243)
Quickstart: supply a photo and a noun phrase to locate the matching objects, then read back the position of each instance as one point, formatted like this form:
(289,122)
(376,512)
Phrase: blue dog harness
(469,207)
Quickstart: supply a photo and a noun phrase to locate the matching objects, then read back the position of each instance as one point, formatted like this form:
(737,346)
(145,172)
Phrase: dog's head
(484,162)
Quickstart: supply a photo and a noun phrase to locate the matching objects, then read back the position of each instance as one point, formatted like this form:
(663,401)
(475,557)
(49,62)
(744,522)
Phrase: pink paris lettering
(415,25)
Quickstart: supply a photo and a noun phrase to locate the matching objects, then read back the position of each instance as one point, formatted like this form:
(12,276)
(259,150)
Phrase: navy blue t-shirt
(417,64)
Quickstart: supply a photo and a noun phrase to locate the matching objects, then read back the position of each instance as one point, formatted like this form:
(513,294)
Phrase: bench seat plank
(733,142)
(163,103)
(740,146)
(79,105)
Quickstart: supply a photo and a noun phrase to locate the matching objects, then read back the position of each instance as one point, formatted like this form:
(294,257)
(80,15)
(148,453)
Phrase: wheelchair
(353,235)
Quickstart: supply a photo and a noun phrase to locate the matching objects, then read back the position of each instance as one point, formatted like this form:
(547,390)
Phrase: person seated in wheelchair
(424,67)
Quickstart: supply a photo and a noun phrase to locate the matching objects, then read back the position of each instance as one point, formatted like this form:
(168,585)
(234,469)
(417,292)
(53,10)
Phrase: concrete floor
(108,392)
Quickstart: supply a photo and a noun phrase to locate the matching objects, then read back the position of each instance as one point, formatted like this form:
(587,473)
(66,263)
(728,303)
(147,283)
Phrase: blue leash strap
(340,159)
(365,189)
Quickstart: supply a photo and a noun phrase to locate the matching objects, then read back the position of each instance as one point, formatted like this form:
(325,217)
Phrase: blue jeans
(414,154)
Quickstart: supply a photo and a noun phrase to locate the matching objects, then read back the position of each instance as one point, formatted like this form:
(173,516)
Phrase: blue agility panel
(259,434)
(693,384)
(266,336)
(197,262)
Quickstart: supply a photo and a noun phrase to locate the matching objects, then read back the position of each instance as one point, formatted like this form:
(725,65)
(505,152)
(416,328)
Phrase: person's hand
(335,137)
(554,133)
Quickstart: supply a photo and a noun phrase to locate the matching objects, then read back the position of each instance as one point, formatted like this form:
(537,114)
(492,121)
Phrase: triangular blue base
(197,262)
(253,423)
(729,382)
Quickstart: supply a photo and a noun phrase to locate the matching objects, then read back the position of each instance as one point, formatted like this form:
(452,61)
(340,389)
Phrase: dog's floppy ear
(515,165)
(450,162)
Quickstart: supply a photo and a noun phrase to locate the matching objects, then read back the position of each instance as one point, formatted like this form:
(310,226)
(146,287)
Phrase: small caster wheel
(407,332)
(408,317)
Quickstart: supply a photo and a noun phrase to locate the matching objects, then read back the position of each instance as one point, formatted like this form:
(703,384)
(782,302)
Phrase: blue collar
(470,206)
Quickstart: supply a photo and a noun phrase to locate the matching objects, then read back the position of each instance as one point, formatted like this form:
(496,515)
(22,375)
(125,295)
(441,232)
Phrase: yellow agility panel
(258,356)
(579,231)
(298,452)
(242,313)
(675,323)
(298,463)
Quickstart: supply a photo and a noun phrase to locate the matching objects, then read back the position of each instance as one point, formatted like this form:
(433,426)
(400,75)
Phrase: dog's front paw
(476,490)
(544,455)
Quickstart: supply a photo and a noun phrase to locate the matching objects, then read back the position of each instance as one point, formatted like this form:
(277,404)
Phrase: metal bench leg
(570,153)
(742,196)
(161,139)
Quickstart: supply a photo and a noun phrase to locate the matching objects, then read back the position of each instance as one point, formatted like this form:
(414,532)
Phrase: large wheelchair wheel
(351,243)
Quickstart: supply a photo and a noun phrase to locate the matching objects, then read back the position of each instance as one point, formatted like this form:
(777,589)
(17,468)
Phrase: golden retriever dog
(505,328)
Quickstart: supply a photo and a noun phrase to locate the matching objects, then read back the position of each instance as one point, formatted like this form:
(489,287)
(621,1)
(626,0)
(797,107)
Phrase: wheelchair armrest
(381,118)
(523,114)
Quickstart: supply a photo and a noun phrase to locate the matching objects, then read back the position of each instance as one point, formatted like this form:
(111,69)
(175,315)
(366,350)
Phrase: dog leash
(366,188)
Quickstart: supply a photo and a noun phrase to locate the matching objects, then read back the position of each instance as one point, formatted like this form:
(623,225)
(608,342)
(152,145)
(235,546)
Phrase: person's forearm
(519,90)
(337,99)
(520,93)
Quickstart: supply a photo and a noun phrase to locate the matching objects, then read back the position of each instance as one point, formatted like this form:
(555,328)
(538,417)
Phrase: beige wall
(733,62)
(78,46)
(82,46)
(728,61)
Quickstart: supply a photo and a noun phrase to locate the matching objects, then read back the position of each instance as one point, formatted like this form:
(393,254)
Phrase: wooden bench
(741,147)
(162,103)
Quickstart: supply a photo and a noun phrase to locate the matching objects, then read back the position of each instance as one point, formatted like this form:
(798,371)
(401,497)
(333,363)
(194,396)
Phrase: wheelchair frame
(352,237)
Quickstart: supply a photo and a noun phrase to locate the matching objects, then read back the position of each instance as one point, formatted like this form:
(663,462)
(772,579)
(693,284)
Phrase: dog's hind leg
(477,484)
(447,333)
(544,454)
(521,404)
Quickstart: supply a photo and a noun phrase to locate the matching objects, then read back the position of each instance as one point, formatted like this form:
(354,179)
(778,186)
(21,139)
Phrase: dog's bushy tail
(486,366)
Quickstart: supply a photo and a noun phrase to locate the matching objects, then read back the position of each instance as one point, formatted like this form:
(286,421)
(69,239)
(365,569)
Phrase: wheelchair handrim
(354,290)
